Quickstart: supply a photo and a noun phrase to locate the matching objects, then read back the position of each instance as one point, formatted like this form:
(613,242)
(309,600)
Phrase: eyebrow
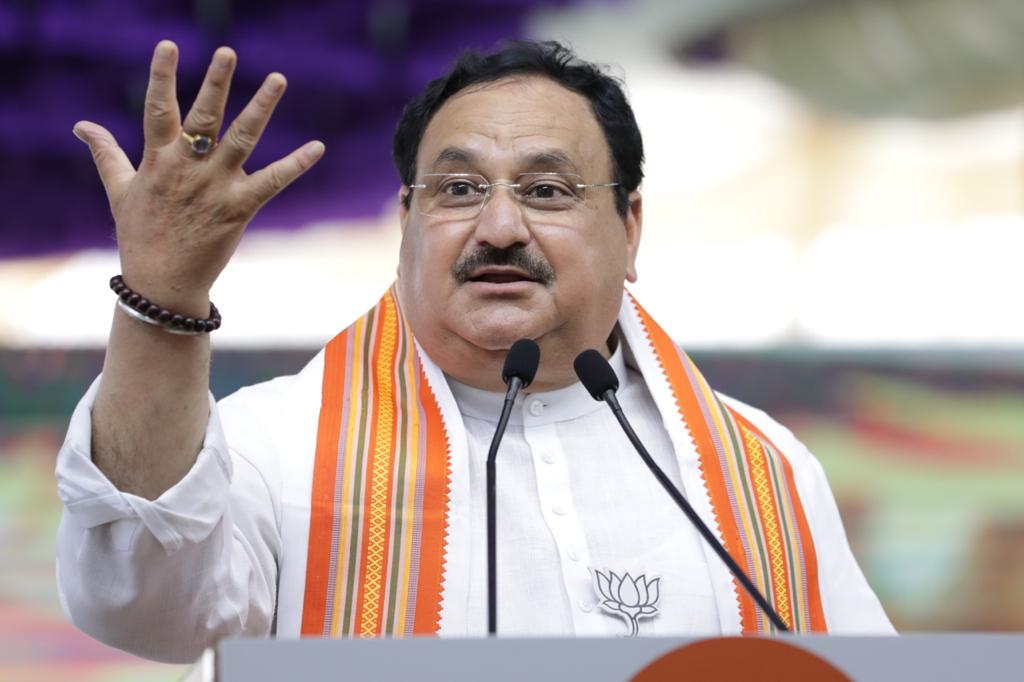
(454,155)
(549,159)
(553,159)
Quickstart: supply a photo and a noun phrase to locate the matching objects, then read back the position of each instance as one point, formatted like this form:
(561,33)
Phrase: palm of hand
(180,215)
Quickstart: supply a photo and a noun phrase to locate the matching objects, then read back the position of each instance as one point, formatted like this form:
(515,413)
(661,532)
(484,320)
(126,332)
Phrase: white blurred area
(766,222)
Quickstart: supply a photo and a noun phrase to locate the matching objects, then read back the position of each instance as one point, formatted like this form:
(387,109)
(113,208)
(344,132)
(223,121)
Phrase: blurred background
(841,180)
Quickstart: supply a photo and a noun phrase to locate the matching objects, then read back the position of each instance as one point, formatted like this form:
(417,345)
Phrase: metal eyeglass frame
(488,187)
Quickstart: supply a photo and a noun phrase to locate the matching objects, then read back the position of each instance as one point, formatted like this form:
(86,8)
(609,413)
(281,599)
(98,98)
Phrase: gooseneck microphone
(520,367)
(600,381)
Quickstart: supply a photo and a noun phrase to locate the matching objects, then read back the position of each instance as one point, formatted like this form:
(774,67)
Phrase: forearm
(151,410)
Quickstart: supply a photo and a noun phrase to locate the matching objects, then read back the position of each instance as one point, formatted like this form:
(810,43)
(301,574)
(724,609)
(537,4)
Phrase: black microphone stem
(740,575)
(514,384)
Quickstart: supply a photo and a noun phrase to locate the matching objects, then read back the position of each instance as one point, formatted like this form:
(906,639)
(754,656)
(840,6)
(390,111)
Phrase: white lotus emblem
(628,597)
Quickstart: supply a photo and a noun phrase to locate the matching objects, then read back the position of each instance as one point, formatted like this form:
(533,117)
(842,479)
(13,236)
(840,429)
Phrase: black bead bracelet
(144,310)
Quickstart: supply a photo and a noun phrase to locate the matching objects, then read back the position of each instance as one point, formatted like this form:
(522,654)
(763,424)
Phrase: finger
(207,112)
(268,182)
(246,130)
(112,163)
(162,119)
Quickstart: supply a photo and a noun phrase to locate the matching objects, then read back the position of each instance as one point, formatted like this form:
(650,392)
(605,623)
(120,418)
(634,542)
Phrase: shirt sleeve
(166,578)
(851,606)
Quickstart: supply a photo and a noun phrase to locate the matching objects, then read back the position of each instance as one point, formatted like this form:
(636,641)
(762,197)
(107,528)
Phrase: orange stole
(753,496)
(378,517)
(378,513)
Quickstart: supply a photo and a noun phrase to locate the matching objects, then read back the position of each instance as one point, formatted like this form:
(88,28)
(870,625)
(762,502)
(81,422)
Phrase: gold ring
(201,144)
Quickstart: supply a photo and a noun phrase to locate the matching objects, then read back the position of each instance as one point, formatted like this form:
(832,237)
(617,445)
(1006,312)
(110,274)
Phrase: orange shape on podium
(739,659)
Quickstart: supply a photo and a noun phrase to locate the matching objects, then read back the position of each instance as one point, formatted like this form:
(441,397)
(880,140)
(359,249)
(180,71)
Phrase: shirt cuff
(184,514)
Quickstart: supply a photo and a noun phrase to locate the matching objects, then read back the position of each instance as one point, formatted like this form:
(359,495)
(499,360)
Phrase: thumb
(112,163)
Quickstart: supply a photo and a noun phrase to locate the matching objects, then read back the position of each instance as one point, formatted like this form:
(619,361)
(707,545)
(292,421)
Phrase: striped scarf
(382,482)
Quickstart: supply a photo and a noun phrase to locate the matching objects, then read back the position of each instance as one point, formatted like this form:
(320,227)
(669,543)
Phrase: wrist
(189,301)
(145,310)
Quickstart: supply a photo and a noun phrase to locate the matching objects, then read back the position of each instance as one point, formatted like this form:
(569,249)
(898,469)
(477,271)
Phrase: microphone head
(595,373)
(522,361)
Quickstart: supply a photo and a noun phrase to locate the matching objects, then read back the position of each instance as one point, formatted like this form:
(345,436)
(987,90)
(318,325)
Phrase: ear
(633,222)
(403,209)
(403,219)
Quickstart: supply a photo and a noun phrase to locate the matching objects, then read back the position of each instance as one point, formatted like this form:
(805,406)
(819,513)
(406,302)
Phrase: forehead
(514,125)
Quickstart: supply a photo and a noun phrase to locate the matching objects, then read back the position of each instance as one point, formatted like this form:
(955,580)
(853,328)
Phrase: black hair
(552,60)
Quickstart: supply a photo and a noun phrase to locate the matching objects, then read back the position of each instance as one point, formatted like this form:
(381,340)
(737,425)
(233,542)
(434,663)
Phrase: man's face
(472,286)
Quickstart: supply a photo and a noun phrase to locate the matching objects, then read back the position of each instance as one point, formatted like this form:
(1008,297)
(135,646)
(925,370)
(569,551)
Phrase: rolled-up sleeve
(166,578)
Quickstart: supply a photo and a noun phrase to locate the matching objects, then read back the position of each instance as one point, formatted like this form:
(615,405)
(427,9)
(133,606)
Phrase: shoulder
(273,420)
(270,398)
(806,466)
(776,432)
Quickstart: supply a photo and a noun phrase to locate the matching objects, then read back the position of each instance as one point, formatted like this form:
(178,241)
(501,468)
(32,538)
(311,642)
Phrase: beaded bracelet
(144,310)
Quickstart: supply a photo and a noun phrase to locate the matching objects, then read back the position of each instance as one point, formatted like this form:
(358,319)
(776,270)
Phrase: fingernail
(275,84)
(314,150)
(74,131)
(222,59)
(164,49)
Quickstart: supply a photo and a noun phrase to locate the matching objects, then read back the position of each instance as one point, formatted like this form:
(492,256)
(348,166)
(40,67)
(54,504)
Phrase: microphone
(600,381)
(520,367)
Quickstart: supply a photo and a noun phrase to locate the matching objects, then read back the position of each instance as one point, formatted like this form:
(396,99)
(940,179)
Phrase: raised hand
(180,214)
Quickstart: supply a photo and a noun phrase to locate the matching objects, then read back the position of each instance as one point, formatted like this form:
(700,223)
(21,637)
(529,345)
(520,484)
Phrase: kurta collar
(548,407)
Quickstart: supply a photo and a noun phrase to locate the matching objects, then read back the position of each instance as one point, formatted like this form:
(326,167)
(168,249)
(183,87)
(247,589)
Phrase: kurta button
(585,606)
(574,555)
(558,510)
(536,407)
(548,457)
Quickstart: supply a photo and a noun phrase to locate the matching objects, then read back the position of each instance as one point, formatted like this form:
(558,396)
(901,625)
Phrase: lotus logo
(628,597)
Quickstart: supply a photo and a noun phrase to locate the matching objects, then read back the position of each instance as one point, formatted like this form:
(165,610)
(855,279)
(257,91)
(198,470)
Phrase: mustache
(514,256)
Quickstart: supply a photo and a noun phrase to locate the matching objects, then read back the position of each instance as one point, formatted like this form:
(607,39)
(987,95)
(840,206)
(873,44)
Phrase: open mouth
(495,276)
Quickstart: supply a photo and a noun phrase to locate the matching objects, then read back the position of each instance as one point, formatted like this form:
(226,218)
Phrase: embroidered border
(753,496)
(378,524)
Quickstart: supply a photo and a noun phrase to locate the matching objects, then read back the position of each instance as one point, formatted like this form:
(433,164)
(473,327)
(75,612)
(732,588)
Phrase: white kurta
(224,551)
(575,497)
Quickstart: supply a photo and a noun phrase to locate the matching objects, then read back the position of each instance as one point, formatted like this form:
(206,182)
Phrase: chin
(498,338)
(497,330)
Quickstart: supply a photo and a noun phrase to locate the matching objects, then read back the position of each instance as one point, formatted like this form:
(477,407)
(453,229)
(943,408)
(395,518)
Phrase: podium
(933,657)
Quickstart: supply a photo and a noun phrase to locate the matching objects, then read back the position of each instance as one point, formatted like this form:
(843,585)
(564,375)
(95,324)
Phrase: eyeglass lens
(461,195)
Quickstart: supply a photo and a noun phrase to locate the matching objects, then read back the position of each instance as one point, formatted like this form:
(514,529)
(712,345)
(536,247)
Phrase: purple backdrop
(351,67)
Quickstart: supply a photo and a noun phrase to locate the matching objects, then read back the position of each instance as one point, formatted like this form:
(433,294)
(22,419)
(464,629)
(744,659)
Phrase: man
(348,500)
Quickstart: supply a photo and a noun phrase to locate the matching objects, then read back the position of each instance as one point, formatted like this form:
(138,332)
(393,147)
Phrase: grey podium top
(933,657)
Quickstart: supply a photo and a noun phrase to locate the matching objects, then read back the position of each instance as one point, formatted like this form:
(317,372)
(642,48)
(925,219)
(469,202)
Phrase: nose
(501,222)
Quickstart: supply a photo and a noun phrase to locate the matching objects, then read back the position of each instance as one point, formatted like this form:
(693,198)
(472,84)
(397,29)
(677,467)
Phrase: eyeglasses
(461,196)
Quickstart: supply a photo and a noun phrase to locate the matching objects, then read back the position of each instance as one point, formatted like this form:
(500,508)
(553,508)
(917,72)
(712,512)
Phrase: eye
(460,188)
(548,189)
